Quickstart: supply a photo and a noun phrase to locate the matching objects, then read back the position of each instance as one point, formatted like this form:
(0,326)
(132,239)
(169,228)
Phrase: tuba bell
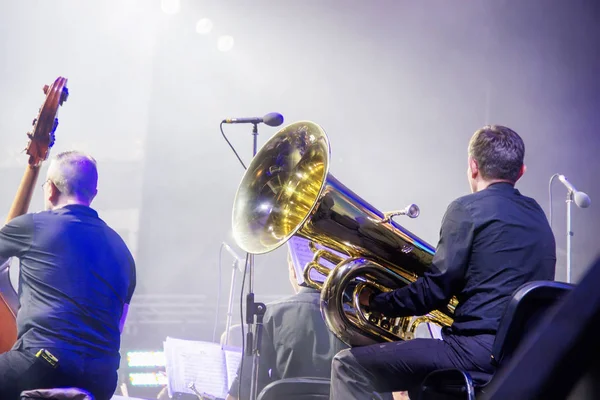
(287,190)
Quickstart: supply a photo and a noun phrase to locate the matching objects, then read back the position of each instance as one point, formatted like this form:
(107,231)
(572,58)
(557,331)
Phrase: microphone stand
(569,233)
(230,305)
(254,339)
(255,139)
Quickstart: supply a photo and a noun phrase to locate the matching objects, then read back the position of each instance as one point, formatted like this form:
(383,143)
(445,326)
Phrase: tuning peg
(64,95)
(46,88)
(34,121)
(55,125)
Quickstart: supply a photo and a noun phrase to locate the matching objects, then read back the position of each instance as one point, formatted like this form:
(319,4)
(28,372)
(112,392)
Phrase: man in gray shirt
(76,280)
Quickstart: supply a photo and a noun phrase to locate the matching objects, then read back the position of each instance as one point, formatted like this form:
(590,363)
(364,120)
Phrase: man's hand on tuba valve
(364,297)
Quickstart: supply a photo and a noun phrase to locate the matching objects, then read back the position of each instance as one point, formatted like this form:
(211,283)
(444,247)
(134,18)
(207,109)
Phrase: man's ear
(473,167)
(54,192)
(522,171)
(93,196)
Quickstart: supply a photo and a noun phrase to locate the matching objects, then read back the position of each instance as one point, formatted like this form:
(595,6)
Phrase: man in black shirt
(491,242)
(295,342)
(76,280)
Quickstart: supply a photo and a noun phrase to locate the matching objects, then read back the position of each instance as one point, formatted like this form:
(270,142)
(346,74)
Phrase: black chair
(296,389)
(523,312)
(559,360)
(57,394)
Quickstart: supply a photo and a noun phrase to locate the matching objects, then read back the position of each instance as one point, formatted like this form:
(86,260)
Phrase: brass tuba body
(287,190)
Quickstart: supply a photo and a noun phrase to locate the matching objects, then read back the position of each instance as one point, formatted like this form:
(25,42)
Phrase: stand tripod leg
(230,304)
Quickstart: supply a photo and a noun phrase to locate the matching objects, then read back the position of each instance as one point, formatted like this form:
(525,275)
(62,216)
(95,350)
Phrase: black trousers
(21,370)
(401,366)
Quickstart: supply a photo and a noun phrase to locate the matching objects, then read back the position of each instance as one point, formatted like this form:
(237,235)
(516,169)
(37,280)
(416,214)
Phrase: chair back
(523,312)
(296,389)
(236,339)
(71,393)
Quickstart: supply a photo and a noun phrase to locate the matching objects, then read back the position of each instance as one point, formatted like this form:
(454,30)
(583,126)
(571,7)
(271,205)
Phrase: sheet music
(170,368)
(302,255)
(233,356)
(203,363)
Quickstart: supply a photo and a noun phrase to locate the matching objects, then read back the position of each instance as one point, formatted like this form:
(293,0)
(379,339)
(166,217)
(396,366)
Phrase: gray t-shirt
(75,276)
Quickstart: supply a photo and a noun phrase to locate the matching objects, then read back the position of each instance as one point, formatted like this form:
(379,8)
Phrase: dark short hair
(499,152)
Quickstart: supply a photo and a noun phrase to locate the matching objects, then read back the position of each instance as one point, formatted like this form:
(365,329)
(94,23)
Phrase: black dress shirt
(295,343)
(491,242)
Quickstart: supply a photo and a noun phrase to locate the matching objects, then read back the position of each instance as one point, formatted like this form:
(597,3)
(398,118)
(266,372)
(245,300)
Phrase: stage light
(204,26)
(147,379)
(170,6)
(225,43)
(146,359)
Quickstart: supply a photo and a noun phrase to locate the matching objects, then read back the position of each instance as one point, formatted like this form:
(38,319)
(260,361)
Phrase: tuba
(287,190)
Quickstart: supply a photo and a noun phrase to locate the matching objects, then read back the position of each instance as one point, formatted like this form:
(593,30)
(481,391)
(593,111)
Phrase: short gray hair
(75,174)
(499,152)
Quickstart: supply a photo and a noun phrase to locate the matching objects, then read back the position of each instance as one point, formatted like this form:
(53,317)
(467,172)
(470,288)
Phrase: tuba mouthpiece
(412,211)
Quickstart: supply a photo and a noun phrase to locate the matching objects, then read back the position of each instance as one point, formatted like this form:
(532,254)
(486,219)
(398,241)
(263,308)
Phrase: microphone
(581,199)
(233,254)
(271,119)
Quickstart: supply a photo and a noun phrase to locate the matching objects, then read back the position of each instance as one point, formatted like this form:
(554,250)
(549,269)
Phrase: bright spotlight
(225,43)
(204,26)
(170,6)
